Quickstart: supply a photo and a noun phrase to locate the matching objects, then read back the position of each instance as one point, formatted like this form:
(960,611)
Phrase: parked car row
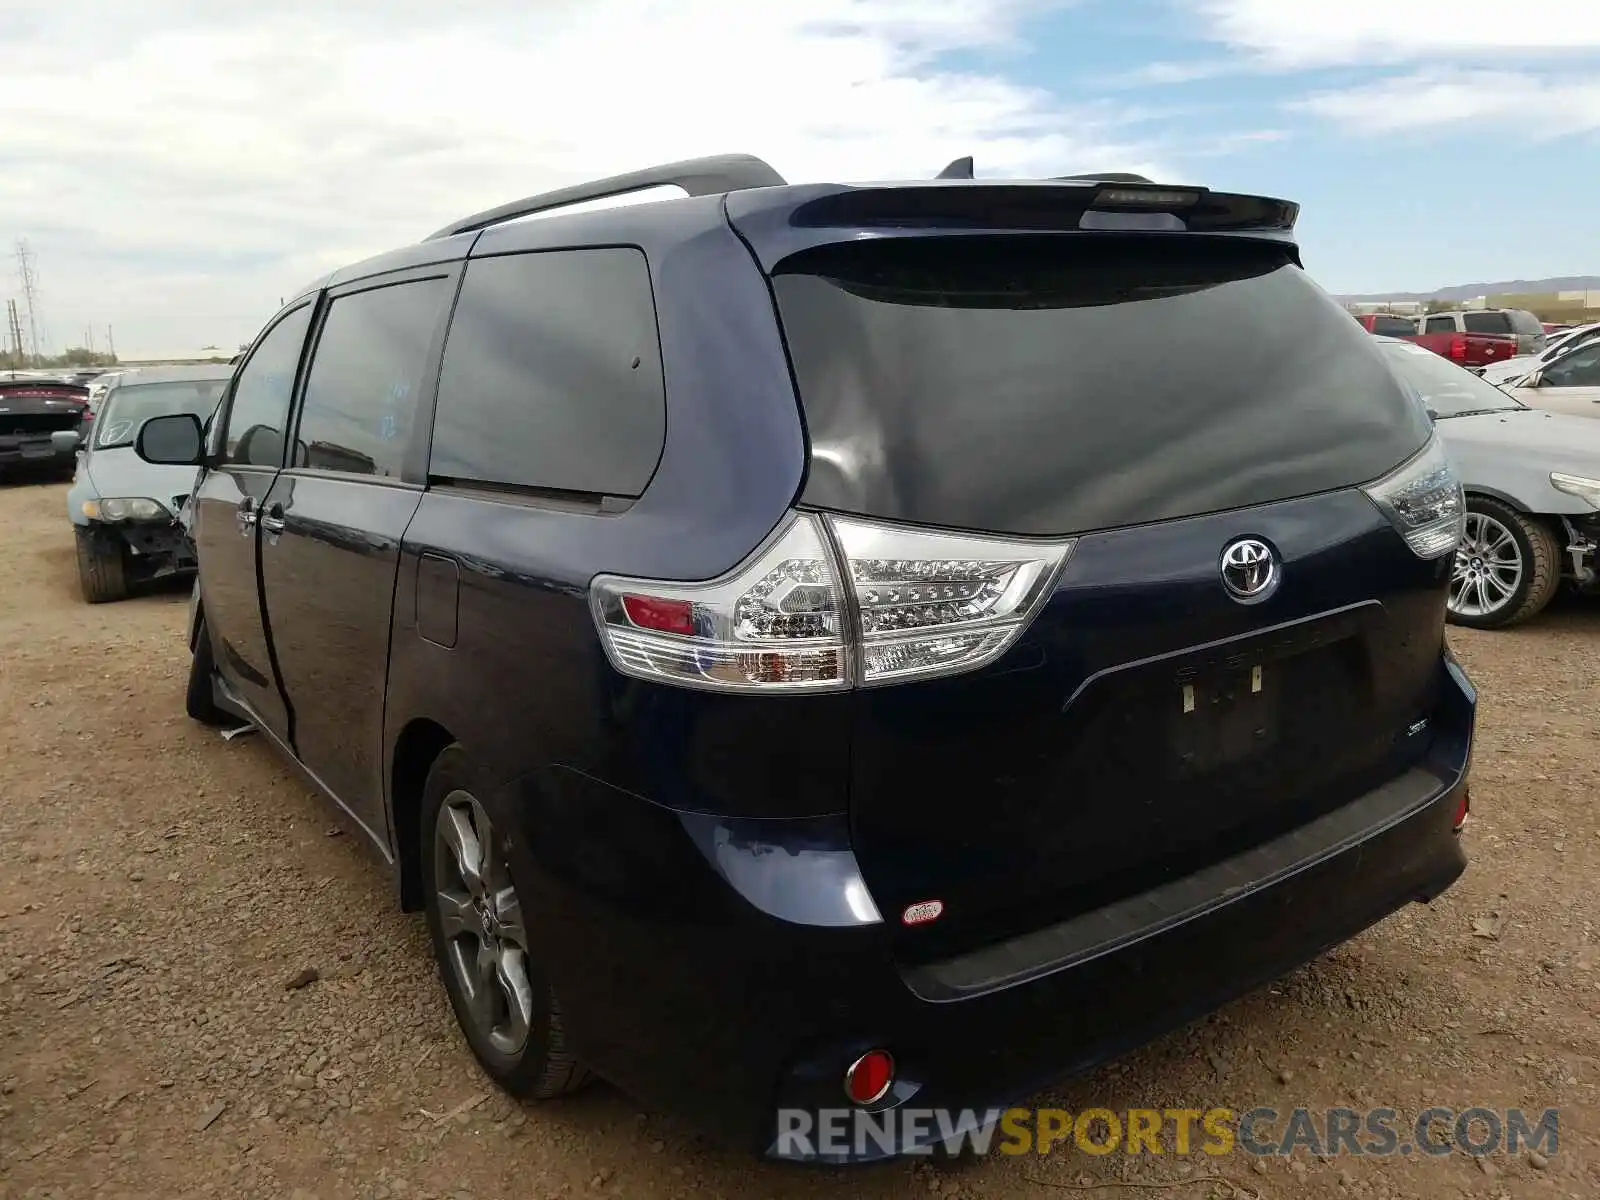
(1474,338)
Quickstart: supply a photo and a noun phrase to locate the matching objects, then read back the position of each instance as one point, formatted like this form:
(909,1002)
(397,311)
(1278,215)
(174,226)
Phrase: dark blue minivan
(877,648)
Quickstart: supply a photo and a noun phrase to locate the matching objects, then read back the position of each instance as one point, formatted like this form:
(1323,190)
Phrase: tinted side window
(1486,322)
(1581,368)
(1393,326)
(552,375)
(366,371)
(1441,325)
(261,395)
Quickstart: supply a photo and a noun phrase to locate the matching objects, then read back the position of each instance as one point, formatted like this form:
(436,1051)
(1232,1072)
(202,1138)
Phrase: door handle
(272,519)
(246,514)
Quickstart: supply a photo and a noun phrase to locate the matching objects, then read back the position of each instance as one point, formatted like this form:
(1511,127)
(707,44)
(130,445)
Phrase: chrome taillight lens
(936,603)
(1424,501)
(917,604)
(775,623)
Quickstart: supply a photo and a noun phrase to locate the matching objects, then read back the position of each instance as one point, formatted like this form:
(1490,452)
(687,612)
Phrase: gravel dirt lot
(161,886)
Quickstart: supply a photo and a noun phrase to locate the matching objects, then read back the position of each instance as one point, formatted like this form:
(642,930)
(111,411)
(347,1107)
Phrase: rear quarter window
(1523,321)
(1393,326)
(552,376)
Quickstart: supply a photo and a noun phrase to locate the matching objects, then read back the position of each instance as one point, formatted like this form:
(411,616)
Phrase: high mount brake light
(918,604)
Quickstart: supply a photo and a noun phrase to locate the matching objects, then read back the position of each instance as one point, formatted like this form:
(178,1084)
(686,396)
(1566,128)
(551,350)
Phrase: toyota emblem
(1249,570)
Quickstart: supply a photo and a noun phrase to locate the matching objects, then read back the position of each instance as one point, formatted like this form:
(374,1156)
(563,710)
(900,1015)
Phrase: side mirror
(173,440)
(1433,415)
(65,441)
(1534,379)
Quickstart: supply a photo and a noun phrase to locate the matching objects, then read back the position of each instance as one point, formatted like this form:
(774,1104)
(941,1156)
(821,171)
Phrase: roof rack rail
(697,176)
(961,168)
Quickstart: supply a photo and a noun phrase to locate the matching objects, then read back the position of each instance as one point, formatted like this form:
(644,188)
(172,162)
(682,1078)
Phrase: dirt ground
(159,886)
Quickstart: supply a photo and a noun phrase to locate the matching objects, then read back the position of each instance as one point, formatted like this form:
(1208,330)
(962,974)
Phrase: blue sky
(179,165)
(1422,155)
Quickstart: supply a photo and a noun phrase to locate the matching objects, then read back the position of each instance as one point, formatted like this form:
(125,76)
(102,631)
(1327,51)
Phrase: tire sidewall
(454,771)
(1512,522)
(99,558)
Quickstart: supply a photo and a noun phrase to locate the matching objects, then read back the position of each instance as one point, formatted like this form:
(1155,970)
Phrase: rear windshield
(1055,385)
(1486,322)
(1393,326)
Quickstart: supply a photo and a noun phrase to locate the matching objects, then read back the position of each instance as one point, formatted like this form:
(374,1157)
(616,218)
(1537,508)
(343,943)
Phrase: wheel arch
(1550,521)
(417,747)
(1491,493)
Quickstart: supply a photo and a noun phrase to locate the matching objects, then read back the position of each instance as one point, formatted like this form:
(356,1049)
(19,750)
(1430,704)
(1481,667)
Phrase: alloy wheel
(1488,568)
(481,918)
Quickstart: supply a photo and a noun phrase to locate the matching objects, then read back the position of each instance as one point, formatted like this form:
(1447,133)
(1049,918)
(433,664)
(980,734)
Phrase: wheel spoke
(457,917)
(508,910)
(483,989)
(465,848)
(511,974)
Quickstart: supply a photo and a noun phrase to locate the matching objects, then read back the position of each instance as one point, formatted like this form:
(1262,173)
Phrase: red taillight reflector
(664,616)
(1462,809)
(1458,346)
(868,1079)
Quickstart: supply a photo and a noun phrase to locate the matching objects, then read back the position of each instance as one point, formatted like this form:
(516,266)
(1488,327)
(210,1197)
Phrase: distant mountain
(1466,291)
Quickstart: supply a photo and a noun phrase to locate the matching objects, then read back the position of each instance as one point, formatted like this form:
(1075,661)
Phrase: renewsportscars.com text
(1263,1131)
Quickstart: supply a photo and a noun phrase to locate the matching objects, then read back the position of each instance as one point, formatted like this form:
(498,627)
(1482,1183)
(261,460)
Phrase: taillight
(918,604)
(1424,500)
(1458,346)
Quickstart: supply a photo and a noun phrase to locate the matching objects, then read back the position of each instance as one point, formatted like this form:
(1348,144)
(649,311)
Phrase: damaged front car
(126,513)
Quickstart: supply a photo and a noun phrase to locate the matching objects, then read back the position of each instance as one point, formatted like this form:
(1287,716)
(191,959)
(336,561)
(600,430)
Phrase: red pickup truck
(1471,350)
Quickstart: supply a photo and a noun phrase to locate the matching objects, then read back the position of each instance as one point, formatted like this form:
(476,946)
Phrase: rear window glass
(1392,326)
(1054,385)
(552,375)
(1486,322)
(1525,322)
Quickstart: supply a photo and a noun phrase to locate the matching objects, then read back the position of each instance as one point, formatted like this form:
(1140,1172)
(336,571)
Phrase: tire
(1507,569)
(101,572)
(526,1055)
(199,701)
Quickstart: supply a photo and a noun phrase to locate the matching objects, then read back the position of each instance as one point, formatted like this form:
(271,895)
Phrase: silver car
(1532,479)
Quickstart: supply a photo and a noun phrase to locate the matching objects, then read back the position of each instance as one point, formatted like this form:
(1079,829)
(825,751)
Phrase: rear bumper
(705,1005)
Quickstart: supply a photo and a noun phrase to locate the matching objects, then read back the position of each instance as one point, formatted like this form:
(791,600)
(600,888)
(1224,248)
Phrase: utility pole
(30,295)
(14,328)
(111,346)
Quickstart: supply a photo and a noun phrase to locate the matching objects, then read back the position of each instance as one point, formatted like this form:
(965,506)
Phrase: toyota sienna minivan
(817,648)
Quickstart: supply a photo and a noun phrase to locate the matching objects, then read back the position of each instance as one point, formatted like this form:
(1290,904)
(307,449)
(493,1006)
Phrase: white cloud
(1536,106)
(179,165)
(1297,33)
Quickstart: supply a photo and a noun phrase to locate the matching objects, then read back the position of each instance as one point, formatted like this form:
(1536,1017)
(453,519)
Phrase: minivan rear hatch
(1156,396)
